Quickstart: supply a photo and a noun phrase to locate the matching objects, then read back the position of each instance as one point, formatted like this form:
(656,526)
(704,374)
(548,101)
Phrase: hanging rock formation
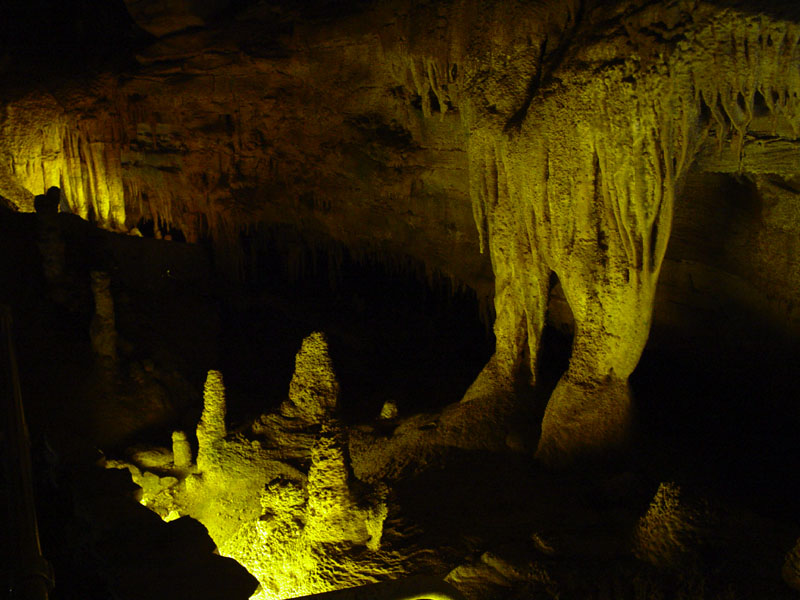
(583,185)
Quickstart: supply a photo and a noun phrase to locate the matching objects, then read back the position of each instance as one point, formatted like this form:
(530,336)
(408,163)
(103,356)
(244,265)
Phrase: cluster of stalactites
(432,82)
(634,138)
(45,148)
(739,64)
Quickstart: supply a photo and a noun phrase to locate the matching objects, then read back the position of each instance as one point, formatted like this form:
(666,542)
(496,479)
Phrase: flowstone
(582,184)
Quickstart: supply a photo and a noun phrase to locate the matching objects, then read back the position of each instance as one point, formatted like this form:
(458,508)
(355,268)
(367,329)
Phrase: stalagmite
(334,511)
(102,330)
(314,390)
(181,450)
(211,428)
(389,411)
(51,243)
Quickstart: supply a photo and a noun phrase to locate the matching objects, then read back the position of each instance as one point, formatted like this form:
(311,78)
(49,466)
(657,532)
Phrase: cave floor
(722,478)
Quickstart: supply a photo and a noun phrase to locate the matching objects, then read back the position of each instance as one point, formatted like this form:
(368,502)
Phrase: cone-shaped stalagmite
(181,450)
(314,390)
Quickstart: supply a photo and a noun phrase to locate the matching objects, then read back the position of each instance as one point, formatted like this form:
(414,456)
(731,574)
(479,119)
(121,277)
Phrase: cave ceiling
(348,119)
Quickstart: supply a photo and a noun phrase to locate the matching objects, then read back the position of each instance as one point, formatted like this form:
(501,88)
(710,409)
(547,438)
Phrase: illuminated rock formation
(181,450)
(49,147)
(594,171)
(211,429)
(297,530)
(313,391)
(566,129)
(584,187)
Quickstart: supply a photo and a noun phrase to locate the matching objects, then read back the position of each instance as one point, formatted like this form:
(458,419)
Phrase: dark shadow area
(395,333)
(777,9)
(101,542)
(104,544)
(726,417)
(48,43)
(149,229)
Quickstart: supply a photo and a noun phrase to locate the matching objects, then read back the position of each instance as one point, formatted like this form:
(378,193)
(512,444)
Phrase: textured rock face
(280,498)
(566,130)
(313,391)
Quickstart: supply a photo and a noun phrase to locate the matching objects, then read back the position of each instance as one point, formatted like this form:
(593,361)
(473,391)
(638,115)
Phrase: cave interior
(312,295)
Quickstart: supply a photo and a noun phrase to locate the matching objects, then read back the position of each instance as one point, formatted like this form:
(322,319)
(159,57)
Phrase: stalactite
(734,58)
(49,147)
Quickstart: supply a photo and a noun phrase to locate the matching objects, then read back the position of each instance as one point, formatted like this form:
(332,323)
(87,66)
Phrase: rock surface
(313,390)
(389,126)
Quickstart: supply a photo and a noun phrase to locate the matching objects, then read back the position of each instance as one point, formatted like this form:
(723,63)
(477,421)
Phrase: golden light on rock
(612,188)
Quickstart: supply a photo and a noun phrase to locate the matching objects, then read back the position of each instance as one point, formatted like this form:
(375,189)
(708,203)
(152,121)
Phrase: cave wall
(569,133)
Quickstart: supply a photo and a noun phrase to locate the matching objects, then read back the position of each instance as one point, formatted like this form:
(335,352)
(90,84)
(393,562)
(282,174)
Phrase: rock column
(584,189)
(102,330)
(211,430)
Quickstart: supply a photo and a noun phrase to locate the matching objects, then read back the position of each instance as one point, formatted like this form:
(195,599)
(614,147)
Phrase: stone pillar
(102,330)
(314,390)
(211,429)
(521,274)
(181,450)
(334,513)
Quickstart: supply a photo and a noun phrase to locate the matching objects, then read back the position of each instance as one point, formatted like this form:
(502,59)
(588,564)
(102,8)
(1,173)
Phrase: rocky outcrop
(279,497)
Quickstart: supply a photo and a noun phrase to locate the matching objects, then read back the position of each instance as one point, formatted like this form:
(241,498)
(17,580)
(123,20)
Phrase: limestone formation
(389,410)
(102,331)
(664,535)
(565,130)
(613,166)
(314,390)
(51,243)
(211,430)
(181,450)
(335,512)
(294,530)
